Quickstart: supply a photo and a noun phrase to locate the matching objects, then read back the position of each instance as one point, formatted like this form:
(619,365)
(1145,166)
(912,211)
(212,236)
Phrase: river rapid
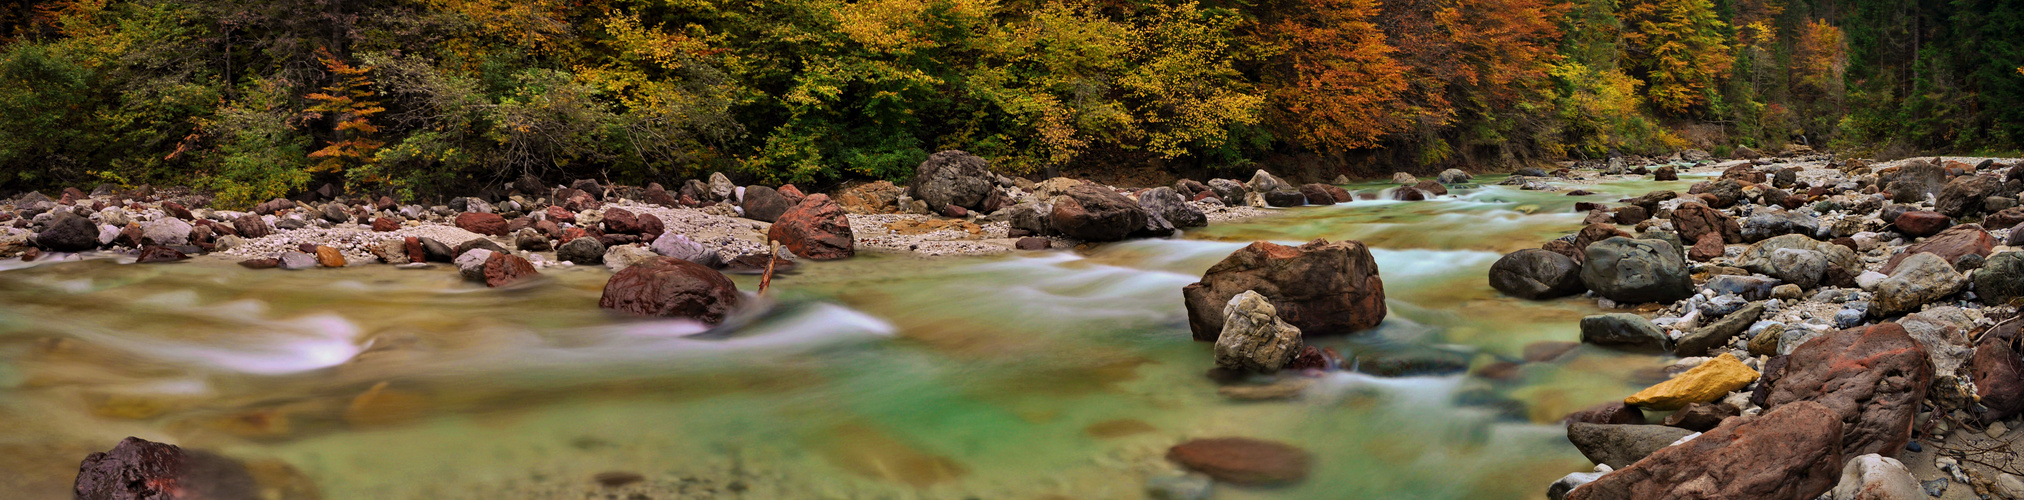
(1058,374)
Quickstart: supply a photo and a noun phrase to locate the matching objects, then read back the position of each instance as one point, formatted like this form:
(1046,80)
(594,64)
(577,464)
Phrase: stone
(69,232)
(681,247)
(1558,490)
(1636,271)
(953,178)
(1666,173)
(262,263)
(764,203)
(296,261)
(385,224)
(1798,259)
(1718,334)
(1613,412)
(582,251)
(671,287)
(482,223)
(1620,445)
(329,257)
(531,240)
(1254,339)
(1913,182)
(1877,477)
(485,243)
(1095,213)
(1921,223)
(1951,245)
(1179,487)
(1873,378)
(1692,220)
(1919,279)
(1032,243)
(1596,232)
(1965,195)
(1454,176)
(1404,178)
(1787,292)
(436,251)
(1322,288)
(721,188)
(1706,382)
(1318,194)
(1788,453)
(623,256)
(471,264)
(1766,224)
(1536,274)
(1998,373)
(1709,247)
(166,231)
(503,268)
(251,226)
(156,253)
(1624,331)
(1702,417)
(1245,461)
(140,469)
(1630,215)
(1167,204)
(2004,219)
(2000,280)
(816,229)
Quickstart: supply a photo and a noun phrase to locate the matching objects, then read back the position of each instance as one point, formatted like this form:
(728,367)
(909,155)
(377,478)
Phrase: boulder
(1243,460)
(1708,248)
(1624,331)
(531,240)
(503,268)
(164,231)
(1913,181)
(1692,220)
(2000,279)
(1718,334)
(1872,377)
(68,232)
(1999,373)
(620,221)
(1254,339)
(1798,259)
(1789,453)
(953,178)
(1636,271)
(1950,245)
(1032,243)
(295,261)
(139,469)
(1167,204)
(1404,178)
(329,257)
(1620,445)
(482,223)
(1918,279)
(251,226)
(582,251)
(1095,213)
(671,287)
(1455,176)
(1748,287)
(878,197)
(1766,224)
(1283,198)
(1877,477)
(816,229)
(1702,417)
(1921,223)
(1262,181)
(1229,190)
(471,264)
(1322,288)
(1536,274)
(1965,195)
(721,189)
(681,247)
(1318,194)
(1666,173)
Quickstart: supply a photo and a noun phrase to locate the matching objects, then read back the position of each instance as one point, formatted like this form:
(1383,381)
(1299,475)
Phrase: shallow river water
(1055,374)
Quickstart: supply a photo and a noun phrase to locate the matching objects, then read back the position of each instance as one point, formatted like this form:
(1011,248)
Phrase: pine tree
(1677,47)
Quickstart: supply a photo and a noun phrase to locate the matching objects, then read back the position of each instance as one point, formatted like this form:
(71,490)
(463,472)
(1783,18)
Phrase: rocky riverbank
(1840,327)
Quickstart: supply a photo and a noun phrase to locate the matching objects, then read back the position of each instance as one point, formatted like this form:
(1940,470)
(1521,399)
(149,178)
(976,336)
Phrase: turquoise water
(1039,375)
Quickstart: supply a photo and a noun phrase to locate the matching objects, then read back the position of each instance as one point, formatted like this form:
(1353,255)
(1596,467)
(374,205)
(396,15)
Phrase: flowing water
(1039,375)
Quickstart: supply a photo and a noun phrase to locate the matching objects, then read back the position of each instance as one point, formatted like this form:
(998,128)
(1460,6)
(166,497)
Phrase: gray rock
(1167,204)
(623,256)
(1033,217)
(1797,259)
(1636,271)
(1619,445)
(1624,331)
(1965,195)
(721,188)
(1700,341)
(1558,490)
(1919,279)
(764,204)
(681,247)
(166,231)
(69,232)
(297,261)
(1721,306)
(1536,274)
(471,264)
(529,239)
(1944,333)
(1766,225)
(1254,339)
(1455,176)
(1283,197)
(1876,477)
(582,251)
(2001,277)
(952,178)
(1748,287)
(1849,318)
(1188,486)
(1262,182)
(1230,191)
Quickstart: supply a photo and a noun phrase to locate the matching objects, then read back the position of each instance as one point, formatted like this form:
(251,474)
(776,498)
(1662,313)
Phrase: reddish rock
(1998,373)
(1595,232)
(264,263)
(657,195)
(651,226)
(621,221)
(1318,194)
(139,469)
(329,257)
(1312,358)
(1031,243)
(547,228)
(1579,192)
(1321,287)
(570,234)
(1919,223)
(1873,377)
(954,212)
(2005,219)
(177,210)
(1243,460)
(1702,417)
(1610,413)
(1341,195)
(504,268)
(1204,195)
(1666,174)
(1707,248)
(386,224)
(130,236)
(1598,217)
(671,287)
(482,223)
(1566,248)
(1631,215)
(1792,452)
(251,226)
(1950,245)
(157,253)
(1692,220)
(1408,194)
(416,252)
(1094,213)
(1432,187)
(384,203)
(791,193)
(815,229)
(560,215)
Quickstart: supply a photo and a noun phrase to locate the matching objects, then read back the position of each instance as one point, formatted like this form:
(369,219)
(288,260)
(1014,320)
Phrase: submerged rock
(140,469)
(1536,274)
(671,287)
(1322,288)
(1243,460)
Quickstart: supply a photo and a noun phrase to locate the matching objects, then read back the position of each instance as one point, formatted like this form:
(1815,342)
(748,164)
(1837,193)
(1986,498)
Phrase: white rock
(1876,477)
(1869,279)
(167,231)
(1254,338)
(472,264)
(1559,489)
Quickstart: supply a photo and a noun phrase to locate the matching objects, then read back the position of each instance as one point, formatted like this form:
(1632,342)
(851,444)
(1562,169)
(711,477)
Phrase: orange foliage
(1340,88)
(349,103)
(1472,56)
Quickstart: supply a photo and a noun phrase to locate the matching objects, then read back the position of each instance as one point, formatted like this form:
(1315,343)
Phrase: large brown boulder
(1950,245)
(1792,452)
(1964,195)
(1322,288)
(1873,377)
(953,178)
(816,229)
(1999,373)
(251,226)
(671,287)
(504,268)
(1095,213)
(139,469)
(482,223)
(1535,274)
(1692,220)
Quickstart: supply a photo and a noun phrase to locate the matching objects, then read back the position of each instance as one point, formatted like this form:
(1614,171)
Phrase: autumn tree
(1333,83)
(348,103)
(1679,50)
(1478,70)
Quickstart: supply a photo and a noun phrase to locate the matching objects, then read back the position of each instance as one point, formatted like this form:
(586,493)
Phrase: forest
(254,99)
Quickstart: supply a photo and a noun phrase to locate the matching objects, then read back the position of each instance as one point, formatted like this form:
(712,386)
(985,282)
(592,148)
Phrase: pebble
(1179,487)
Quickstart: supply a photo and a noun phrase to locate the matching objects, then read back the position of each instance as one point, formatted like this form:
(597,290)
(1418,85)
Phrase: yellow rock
(1708,382)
